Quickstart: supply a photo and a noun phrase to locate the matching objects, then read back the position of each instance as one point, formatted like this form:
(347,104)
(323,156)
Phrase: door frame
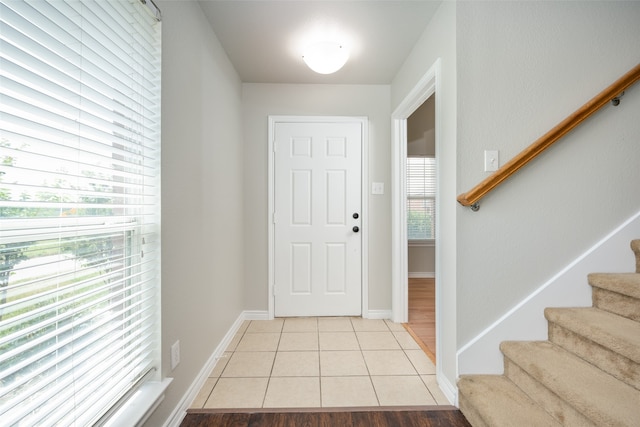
(364,179)
(428,85)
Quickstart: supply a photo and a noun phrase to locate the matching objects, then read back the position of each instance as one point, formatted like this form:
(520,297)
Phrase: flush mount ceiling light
(325,57)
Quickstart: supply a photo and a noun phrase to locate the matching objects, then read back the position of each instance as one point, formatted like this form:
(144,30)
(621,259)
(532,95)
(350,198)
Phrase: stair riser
(586,374)
(616,303)
(613,363)
(553,404)
(470,413)
(635,247)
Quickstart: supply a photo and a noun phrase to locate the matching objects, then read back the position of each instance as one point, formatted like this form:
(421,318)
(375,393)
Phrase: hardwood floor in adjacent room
(422,314)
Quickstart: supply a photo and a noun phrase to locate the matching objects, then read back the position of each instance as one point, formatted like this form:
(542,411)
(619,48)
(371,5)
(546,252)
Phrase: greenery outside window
(421,199)
(79,207)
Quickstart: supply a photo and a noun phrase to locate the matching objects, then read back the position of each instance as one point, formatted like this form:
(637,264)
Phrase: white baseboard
(179,412)
(449,390)
(422,275)
(568,288)
(377,314)
(256,315)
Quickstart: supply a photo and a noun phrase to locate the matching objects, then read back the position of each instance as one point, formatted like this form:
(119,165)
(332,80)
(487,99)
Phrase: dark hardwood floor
(390,418)
(422,314)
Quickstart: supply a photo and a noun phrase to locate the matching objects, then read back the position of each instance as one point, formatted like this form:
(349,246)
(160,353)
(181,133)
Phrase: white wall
(262,100)
(510,71)
(421,260)
(522,68)
(439,41)
(202,219)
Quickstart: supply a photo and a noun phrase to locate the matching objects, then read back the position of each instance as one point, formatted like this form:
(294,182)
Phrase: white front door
(317,219)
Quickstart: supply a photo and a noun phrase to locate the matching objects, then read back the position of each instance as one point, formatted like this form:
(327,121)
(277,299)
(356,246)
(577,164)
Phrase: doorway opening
(421,224)
(426,89)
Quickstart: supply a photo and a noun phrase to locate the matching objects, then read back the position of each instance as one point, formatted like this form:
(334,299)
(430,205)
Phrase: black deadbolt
(355,215)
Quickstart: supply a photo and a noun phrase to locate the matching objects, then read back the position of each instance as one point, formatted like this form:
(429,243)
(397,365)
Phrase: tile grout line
(225,351)
(404,350)
(273,363)
(375,392)
(316,321)
(319,363)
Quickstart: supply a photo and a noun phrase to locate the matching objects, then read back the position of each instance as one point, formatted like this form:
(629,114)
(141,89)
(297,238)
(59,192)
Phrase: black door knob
(355,215)
(355,229)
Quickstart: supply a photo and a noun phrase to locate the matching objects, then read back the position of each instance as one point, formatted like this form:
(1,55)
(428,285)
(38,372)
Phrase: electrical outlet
(175,354)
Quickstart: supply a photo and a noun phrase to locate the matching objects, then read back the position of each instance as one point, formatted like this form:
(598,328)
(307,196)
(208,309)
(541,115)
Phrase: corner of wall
(179,411)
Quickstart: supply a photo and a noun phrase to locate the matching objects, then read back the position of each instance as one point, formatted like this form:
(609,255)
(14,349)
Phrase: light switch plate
(491,160)
(377,188)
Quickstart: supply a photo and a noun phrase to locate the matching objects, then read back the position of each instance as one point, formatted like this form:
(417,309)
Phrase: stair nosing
(600,332)
(516,395)
(612,282)
(556,380)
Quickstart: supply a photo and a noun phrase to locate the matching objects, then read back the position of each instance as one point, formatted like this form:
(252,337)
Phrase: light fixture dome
(325,57)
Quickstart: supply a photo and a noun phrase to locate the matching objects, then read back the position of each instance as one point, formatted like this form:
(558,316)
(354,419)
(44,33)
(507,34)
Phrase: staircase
(586,374)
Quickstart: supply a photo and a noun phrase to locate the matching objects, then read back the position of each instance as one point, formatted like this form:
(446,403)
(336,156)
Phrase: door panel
(317,253)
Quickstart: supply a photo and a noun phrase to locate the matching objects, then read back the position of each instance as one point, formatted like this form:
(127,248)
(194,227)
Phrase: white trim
(568,288)
(365,218)
(378,314)
(427,86)
(176,417)
(256,315)
(399,246)
(422,275)
(140,405)
(364,122)
(449,390)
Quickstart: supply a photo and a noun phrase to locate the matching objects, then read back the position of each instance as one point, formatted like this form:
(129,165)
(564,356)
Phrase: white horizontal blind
(79,207)
(421,198)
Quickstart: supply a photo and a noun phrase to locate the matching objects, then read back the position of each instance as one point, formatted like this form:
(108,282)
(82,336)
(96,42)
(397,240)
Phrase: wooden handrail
(471,197)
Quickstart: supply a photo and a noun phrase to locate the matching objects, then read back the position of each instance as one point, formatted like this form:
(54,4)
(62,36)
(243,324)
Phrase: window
(421,198)
(79,207)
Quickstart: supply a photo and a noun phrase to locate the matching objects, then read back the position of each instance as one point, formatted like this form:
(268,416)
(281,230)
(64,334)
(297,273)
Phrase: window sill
(141,405)
(425,243)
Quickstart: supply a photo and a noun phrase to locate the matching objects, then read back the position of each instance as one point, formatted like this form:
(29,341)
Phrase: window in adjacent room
(79,207)
(421,198)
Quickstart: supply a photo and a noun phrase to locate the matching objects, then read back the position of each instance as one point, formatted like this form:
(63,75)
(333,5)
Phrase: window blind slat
(73,40)
(47,293)
(63,322)
(69,79)
(421,193)
(49,131)
(65,360)
(79,206)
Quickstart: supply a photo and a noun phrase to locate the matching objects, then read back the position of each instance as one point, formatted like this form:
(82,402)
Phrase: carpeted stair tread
(622,283)
(499,402)
(597,395)
(617,333)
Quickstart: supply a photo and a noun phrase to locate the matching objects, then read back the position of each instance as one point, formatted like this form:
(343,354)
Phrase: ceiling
(264,39)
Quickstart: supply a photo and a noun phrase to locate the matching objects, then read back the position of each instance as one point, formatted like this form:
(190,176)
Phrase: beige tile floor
(321,362)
